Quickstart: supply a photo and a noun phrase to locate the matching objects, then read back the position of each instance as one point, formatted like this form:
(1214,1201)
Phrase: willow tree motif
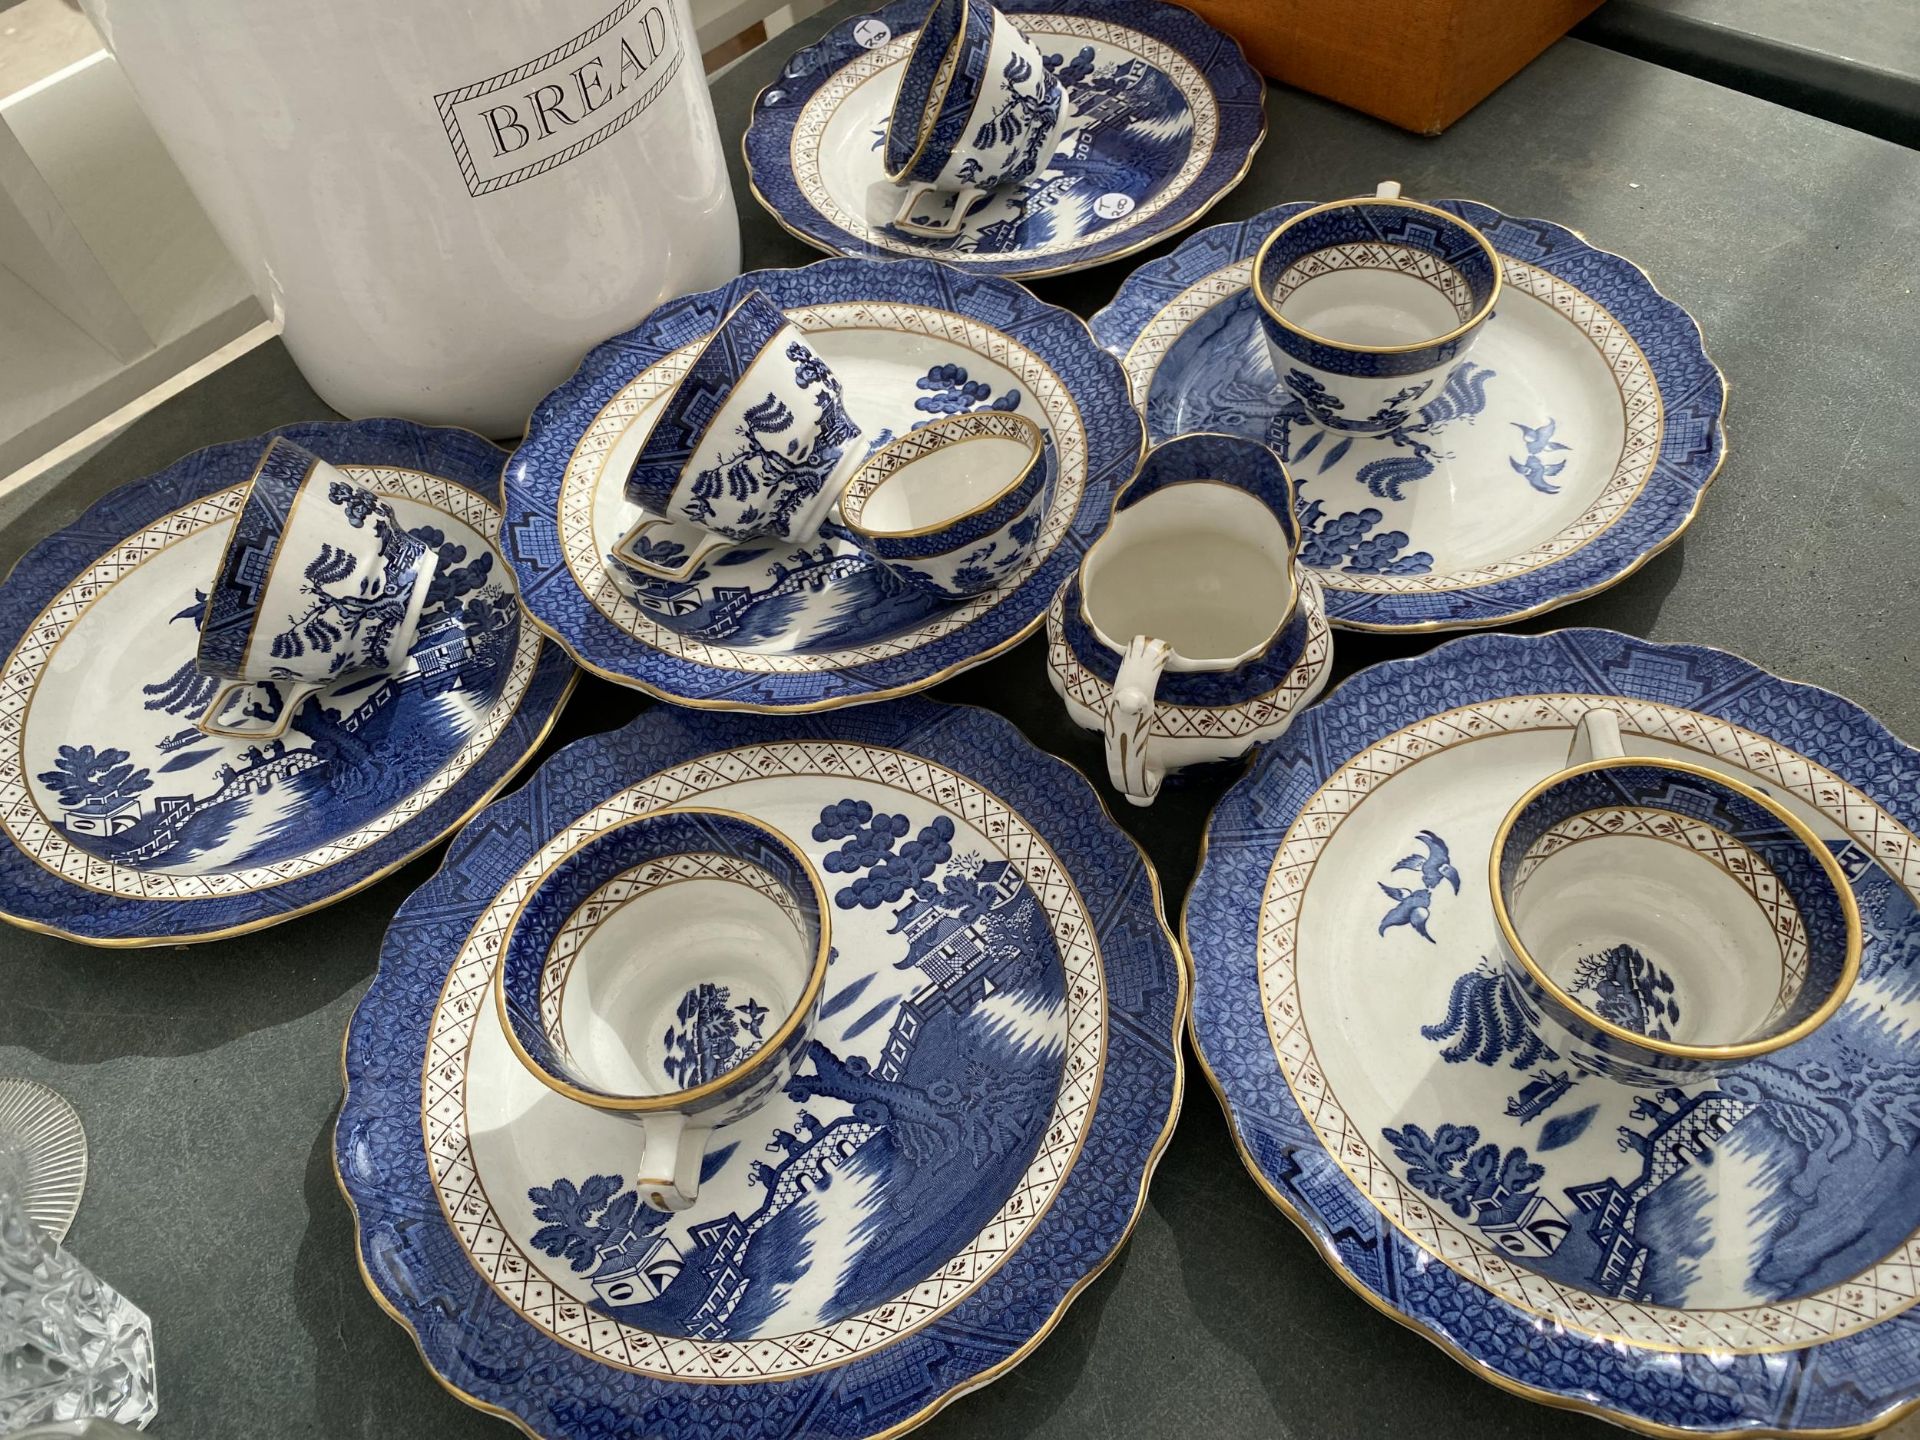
(1022,121)
(769,481)
(1484,1024)
(186,690)
(370,612)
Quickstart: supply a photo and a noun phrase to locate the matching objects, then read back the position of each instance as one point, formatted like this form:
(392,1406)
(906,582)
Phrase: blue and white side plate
(778,626)
(126,825)
(1574,442)
(995,1070)
(1163,116)
(1739,1255)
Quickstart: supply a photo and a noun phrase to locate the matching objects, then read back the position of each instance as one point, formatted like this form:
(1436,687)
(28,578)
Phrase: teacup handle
(254,727)
(963,201)
(1596,737)
(627,554)
(670,1161)
(1129,721)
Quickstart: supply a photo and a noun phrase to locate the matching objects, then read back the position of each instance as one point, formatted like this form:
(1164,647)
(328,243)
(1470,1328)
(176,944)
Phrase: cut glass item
(43,1154)
(71,1346)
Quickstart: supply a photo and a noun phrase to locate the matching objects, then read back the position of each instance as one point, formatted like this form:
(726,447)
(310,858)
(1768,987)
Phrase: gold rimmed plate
(819,624)
(1162,117)
(993,1074)
(1735,1254)
(1573,442)
(124,823)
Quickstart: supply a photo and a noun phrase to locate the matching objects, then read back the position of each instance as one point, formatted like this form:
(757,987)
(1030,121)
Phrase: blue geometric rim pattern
(485,1352)
(35,897)
(1853,1384)
(1692,394)
(1238,90)
(530,533)
(235,595)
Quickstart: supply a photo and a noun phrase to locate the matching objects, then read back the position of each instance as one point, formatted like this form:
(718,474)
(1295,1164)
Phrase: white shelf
(111,279)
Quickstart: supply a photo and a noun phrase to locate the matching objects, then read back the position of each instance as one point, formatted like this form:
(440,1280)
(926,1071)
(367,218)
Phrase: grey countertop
(1853,61)
(208,1078)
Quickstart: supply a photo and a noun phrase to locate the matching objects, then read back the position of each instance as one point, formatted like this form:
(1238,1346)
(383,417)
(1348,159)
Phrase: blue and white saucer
(994,1072)
(1738,1255)
(1164,114)
(778,626)
(124,824)
(1573,443)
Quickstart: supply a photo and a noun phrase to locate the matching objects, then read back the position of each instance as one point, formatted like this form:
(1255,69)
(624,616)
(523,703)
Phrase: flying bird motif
(1536,467)
(1436,866)
(1410,907)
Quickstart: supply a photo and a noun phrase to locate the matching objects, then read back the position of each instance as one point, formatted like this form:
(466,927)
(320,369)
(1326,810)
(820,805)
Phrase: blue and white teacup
(987,116)
(318,581)
(953,508)
(1367,303)
(926,81)
(748,444)
(1661,922)
(668,971)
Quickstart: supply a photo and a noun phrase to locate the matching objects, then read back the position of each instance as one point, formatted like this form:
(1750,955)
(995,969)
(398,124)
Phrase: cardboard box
(1420,64)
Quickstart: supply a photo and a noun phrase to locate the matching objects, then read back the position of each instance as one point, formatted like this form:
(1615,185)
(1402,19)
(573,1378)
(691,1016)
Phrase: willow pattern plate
(994,1072)
(813,626)
(1574,442)
(126,825)
(1164,114)
(1739,1255)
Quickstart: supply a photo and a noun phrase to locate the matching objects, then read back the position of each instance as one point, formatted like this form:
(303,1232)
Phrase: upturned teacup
(318,581)
(748,444)
(1661,921)
(668,971)
(983,115)
(954,507)
(1367,303)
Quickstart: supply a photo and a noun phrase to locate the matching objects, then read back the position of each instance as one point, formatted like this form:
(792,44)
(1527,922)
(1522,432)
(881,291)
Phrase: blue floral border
(34,896)
(1692,392)
(1852,1382)
(494,1359)
(534,477)
(1238,90)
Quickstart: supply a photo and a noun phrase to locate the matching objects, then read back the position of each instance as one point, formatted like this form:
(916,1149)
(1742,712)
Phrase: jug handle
(1129,721)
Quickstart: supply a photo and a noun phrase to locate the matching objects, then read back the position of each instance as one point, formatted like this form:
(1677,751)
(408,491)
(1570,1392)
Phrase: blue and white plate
(995,1070)
(1738,1255)
(777,626)
(1164,116)
(126,825)
(1573,444)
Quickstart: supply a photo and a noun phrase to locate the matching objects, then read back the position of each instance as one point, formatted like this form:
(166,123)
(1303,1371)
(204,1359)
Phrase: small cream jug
(1190,633)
